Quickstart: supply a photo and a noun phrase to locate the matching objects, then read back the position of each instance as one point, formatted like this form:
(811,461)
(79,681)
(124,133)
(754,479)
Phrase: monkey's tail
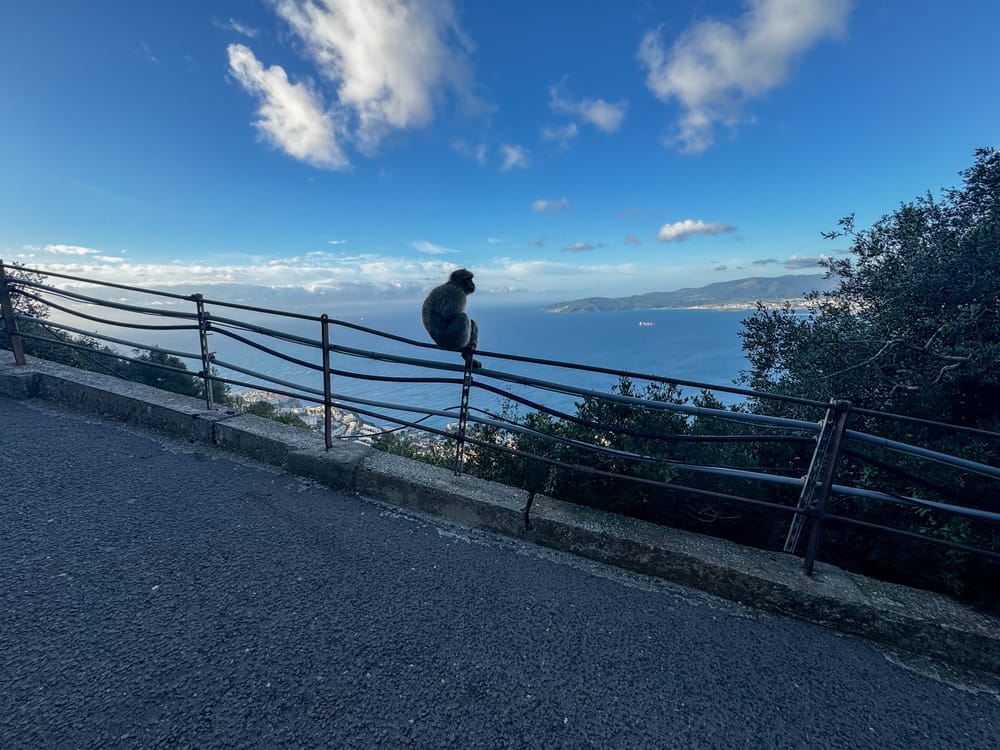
(468,354)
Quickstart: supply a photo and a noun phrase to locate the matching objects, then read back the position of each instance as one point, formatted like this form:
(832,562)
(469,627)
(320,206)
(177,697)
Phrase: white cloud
(561,135)
(337,242)
(292,116)
(632,240)
(681,230)
(234,25)
(494,240)
(429,248)
(804,261)
(69,250)
(389,60)
(714,67)
(607,117)
(576,247)
(551,207)
(513,156)
(603,115)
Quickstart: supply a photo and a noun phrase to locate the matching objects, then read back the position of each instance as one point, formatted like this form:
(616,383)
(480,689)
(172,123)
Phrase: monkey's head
(462,278)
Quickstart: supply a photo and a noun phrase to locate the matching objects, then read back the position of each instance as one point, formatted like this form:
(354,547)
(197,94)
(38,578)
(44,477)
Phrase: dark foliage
(912,327)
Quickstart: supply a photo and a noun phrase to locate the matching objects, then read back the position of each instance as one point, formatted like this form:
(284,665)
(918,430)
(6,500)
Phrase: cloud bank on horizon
(356,277)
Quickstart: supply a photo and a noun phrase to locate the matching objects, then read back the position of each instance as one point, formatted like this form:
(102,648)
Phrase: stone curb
(908,619)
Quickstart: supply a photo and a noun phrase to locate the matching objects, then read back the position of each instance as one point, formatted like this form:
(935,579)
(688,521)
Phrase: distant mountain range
(737,294)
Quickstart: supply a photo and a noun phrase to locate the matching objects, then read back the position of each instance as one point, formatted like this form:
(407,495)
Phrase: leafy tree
(409,444)
(268,410)
(913,325)
(169,373)
(163,371)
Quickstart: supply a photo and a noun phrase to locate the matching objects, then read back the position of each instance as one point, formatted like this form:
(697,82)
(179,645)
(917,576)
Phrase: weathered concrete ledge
(908,619)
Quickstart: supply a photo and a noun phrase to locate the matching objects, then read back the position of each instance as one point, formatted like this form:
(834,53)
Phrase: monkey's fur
(445,319)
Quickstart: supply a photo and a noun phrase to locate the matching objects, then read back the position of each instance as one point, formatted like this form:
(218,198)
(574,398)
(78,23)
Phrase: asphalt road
(155,593)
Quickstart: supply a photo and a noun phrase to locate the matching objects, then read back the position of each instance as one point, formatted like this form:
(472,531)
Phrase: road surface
(156,593)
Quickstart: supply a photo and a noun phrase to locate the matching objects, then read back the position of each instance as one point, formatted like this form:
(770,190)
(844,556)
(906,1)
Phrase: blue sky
(559,149)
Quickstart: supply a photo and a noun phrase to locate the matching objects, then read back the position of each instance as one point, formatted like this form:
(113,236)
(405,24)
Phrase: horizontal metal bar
(123,342)
(92,282)
(655,378)
(118,356)
(317,344)
(913,450)
(430,364)
(344,373)
(289,337)
(266,349)
(207,301)
(914,535)
(268,378)
(106,321)
(319,394)
(959,510)
(265,310)
(899,471)
(699,411)
(383,334)
(629,455)
(669,486)
(726,471)
(926,422)
(114,305)
(669,437)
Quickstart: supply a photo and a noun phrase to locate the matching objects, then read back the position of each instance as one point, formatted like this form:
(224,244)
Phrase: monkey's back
(444,317)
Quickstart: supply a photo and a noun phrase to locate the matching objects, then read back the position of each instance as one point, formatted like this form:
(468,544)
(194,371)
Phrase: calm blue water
(701,345)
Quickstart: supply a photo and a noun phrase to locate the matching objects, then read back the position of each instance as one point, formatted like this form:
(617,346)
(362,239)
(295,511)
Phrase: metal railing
(841,461)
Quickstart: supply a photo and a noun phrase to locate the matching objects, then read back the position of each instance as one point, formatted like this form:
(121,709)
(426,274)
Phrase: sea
(694,345)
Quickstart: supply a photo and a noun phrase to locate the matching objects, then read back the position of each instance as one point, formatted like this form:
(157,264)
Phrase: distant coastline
(740,294)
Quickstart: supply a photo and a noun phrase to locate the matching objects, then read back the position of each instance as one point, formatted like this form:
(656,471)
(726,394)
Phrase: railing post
(327,391)
(836,420)
(206,356)
(9,321)
(807,495)
(823,456)
(463,417)
(841,410)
